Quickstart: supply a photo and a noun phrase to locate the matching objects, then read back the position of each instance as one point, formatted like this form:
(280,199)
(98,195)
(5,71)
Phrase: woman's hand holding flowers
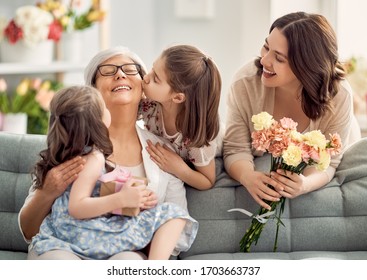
(257,184)
(290,184)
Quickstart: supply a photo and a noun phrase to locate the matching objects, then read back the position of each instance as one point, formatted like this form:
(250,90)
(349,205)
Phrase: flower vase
(20,52)
(15,123)
(71,43)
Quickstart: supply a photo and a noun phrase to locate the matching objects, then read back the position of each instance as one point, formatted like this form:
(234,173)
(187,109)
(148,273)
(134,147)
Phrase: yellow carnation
(324,161)
(262,121)
(292,155)
(296,136)
(315,139)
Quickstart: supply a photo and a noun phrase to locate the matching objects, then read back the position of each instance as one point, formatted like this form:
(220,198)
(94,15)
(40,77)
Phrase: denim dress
(107,235)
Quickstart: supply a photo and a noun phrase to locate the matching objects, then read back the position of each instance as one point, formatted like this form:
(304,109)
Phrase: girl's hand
(292,184)
(132,195)
(151,201)
(165,158)
(257,183)
(61,176)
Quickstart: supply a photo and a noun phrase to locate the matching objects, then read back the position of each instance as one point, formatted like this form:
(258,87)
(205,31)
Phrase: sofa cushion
(331,219)
(18,154)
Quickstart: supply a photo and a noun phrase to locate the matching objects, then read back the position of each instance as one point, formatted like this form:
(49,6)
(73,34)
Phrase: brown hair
(75,128)
(193,73)
(313,58)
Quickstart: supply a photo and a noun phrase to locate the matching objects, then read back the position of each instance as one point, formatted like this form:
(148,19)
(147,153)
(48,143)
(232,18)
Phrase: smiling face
(119,89)
(276,69)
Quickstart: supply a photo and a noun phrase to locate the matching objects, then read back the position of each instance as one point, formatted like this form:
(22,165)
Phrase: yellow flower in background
(57,8)
(23,87)
(262,121)
(95,16)
(65,21)
(46,85)
(73,15)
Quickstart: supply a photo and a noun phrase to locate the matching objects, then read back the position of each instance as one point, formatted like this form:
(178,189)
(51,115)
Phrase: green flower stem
(253,233)
(282,202)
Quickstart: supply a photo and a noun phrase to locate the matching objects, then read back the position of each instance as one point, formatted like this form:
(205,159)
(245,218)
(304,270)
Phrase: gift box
(113,181)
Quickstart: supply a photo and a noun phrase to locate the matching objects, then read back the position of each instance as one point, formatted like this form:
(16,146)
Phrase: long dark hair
(196,75)
(313,58)
(75,128)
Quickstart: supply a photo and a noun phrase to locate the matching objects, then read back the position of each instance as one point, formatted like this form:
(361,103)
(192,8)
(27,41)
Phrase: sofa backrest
(333,218)
(18,154)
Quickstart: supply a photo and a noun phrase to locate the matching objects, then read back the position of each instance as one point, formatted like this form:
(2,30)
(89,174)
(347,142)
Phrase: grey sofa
(330,223)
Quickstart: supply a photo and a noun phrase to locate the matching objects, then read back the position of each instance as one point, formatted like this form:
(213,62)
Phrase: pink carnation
(288,123)
(335,144)
(260,141)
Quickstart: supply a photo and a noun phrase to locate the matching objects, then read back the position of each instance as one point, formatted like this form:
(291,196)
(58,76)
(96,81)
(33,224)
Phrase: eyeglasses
(111,69)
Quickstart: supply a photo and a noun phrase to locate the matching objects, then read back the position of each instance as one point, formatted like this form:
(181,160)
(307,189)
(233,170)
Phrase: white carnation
(34,22)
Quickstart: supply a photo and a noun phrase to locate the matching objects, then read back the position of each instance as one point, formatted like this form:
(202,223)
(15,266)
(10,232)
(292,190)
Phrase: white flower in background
(34,22)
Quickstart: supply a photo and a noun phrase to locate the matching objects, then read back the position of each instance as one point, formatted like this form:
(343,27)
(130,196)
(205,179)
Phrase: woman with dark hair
(298,75)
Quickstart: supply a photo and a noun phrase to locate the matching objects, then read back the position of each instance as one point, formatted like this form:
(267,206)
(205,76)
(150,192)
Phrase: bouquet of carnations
(291,151)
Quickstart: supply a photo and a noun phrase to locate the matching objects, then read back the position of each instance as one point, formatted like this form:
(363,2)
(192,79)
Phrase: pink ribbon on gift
(119,175)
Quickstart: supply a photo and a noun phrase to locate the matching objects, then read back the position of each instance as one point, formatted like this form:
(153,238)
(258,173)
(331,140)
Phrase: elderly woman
(117,73)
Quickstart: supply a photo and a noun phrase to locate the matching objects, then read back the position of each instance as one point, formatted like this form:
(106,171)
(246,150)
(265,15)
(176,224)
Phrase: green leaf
(4,103)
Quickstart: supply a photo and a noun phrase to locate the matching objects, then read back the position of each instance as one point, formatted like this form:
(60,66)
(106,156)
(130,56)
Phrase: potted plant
(31,31)
(74,17)
(29,103)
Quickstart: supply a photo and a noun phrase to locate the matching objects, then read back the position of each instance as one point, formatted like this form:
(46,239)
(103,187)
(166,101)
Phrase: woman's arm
(39,202)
